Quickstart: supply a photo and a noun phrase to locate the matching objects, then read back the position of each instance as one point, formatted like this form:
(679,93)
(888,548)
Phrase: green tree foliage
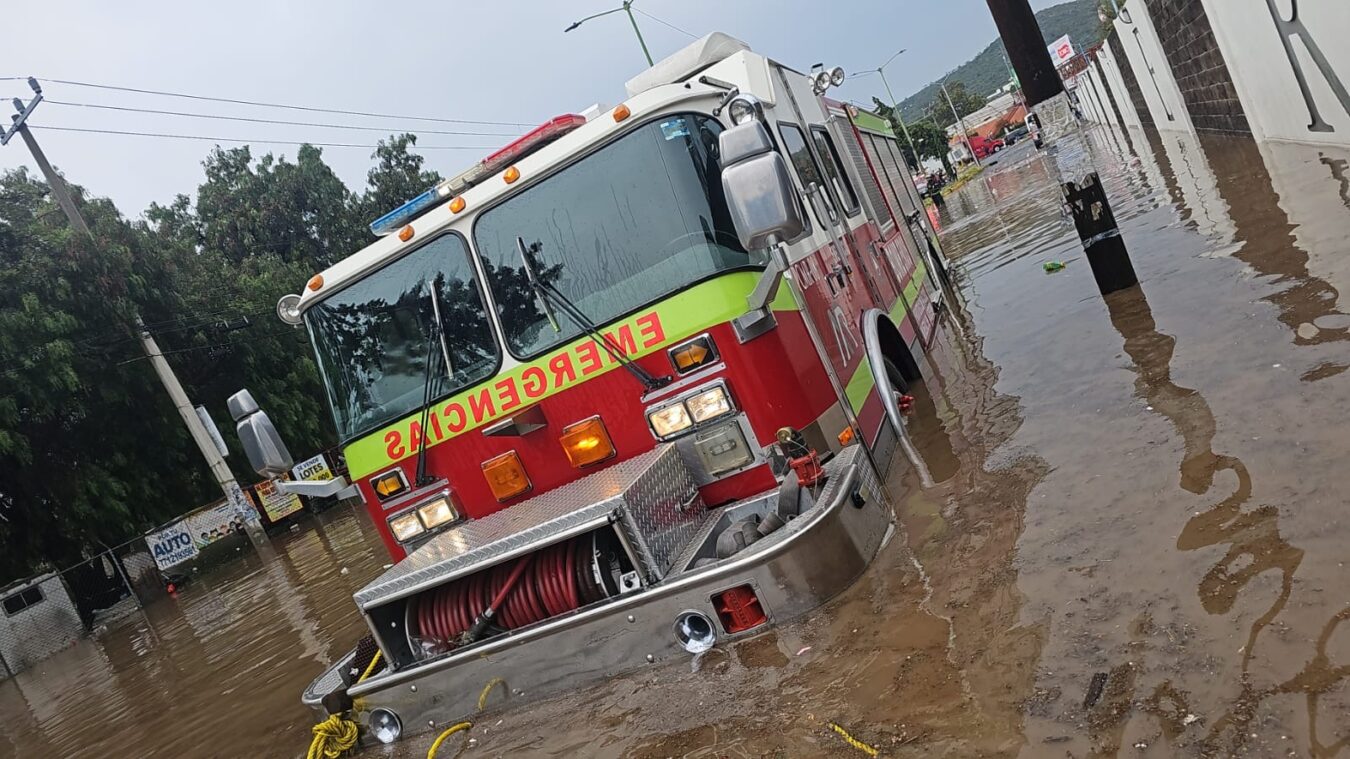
(963,100)
(988,70)
(91,450)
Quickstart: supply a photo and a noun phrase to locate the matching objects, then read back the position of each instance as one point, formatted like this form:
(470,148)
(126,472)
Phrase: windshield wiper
(548,296)
(430,384)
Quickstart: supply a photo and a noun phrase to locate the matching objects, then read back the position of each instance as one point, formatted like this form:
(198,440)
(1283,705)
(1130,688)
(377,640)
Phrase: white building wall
(1146,58)
(1250,38)
(1117,83)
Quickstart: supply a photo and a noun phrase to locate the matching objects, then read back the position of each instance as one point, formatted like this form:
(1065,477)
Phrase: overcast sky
(506,61)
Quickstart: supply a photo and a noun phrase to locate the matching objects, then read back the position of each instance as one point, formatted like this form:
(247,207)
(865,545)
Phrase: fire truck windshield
(640,218)
(372,337)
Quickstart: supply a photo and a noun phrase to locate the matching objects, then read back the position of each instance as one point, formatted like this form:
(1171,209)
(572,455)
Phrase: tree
(965,102)
(396,178)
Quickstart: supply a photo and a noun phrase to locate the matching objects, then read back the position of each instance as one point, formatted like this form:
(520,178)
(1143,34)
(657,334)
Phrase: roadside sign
(315,468)
(1061,51)
(276,504)
(172,545)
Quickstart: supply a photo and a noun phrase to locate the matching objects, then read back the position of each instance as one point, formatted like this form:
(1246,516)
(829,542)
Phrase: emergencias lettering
(483,404)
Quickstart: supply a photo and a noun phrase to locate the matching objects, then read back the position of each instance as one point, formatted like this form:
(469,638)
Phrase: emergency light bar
(528,143)
(397,218)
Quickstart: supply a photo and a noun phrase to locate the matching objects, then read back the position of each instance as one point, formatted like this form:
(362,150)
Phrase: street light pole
(627,7)
(960,123)
(899,117)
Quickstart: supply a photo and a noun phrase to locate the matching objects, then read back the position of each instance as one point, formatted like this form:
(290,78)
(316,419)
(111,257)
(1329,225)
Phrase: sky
(504,61)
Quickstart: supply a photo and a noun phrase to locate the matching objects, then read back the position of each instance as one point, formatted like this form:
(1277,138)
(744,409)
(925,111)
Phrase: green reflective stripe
(861,383)
(652,329)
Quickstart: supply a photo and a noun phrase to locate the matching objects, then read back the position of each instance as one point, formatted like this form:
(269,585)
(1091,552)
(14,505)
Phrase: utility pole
(1048,105)
(219,469)
(961,124)
(895,107)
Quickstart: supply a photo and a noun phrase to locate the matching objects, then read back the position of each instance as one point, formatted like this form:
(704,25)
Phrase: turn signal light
(739,609)
(691,355)
(586,442)
(389,484)
(506,476)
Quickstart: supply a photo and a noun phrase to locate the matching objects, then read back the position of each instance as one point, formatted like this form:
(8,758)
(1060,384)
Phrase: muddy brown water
(1135,542)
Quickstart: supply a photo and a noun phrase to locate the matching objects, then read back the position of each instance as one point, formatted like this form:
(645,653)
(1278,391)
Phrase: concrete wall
(1120,91)
(1135,93)
(1251,35)
(1161,94)
(1201,74)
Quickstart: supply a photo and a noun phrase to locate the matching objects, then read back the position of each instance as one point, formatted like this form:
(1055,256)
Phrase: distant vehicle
(1016,135)
(920,183)
(985,147)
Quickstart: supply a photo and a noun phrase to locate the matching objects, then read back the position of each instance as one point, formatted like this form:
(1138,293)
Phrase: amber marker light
(586,442)
(506,476)
(622,112)
(457,204)
(315,282)
(406,233)
(511,174)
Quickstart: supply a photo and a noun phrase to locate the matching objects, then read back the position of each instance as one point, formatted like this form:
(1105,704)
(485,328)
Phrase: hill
(988,71)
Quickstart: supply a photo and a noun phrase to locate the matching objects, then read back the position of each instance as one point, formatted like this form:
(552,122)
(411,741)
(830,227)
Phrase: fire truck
(623,390)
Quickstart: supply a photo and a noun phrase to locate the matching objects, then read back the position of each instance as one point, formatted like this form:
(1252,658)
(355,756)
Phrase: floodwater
(1135,542)
(215,671)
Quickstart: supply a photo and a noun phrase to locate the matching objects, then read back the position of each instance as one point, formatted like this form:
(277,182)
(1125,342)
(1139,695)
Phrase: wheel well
(893,347)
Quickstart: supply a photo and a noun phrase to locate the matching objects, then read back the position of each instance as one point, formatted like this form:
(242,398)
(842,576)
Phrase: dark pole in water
(1048,107)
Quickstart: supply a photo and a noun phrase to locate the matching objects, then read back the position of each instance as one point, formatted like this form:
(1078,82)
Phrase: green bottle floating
(1053,266)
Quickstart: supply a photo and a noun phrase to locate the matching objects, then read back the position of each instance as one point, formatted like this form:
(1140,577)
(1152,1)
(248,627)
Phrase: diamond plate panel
(570,510)
(661,512)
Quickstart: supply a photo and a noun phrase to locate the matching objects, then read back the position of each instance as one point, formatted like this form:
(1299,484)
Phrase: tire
(897,379)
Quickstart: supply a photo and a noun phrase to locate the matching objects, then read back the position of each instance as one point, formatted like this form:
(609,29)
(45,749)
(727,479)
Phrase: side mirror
(266,452)
(757,186)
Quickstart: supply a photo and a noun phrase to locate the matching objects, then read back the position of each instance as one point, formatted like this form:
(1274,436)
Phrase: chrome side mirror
(266,452)
(757,187)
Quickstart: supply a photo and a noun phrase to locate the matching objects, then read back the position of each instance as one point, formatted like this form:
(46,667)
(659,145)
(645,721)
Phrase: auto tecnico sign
(172,545)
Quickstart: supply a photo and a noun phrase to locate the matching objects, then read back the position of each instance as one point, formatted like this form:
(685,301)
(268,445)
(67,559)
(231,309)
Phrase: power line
(665,23)
(244,141)
(272,121)
(261,104)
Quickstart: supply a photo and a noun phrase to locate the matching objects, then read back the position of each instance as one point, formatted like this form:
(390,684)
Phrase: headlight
(406,527)
(722,448)
(669,420)
(437,513)
(741,110)
(384,725)
(709,404)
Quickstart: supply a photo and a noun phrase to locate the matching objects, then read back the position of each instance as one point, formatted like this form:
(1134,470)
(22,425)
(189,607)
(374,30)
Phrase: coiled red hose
(521,592)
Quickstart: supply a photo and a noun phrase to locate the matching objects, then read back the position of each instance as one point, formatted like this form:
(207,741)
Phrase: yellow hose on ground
(332,737)
(482,697)
(850,740)
(431,752)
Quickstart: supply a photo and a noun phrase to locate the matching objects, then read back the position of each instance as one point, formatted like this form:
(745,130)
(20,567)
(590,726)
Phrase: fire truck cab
(624,389)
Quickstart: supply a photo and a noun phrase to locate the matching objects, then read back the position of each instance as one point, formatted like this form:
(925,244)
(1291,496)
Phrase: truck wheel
(898,384)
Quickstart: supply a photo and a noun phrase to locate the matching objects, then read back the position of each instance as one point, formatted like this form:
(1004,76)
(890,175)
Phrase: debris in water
(1190,719)
(343,571)
(1053,266)
(1094,691)
(803,650)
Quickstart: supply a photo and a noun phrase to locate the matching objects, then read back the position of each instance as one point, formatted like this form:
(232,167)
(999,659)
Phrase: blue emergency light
(397,218)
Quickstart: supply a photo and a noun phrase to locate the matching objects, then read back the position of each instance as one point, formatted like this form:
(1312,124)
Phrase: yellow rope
(431,752)
(370,667)
(332,737)
(854,742)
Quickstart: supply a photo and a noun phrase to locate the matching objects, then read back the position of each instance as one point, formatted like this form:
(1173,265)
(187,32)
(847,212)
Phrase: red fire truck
(631,378)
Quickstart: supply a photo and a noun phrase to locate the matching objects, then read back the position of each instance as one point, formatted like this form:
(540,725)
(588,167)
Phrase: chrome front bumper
(792,571)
